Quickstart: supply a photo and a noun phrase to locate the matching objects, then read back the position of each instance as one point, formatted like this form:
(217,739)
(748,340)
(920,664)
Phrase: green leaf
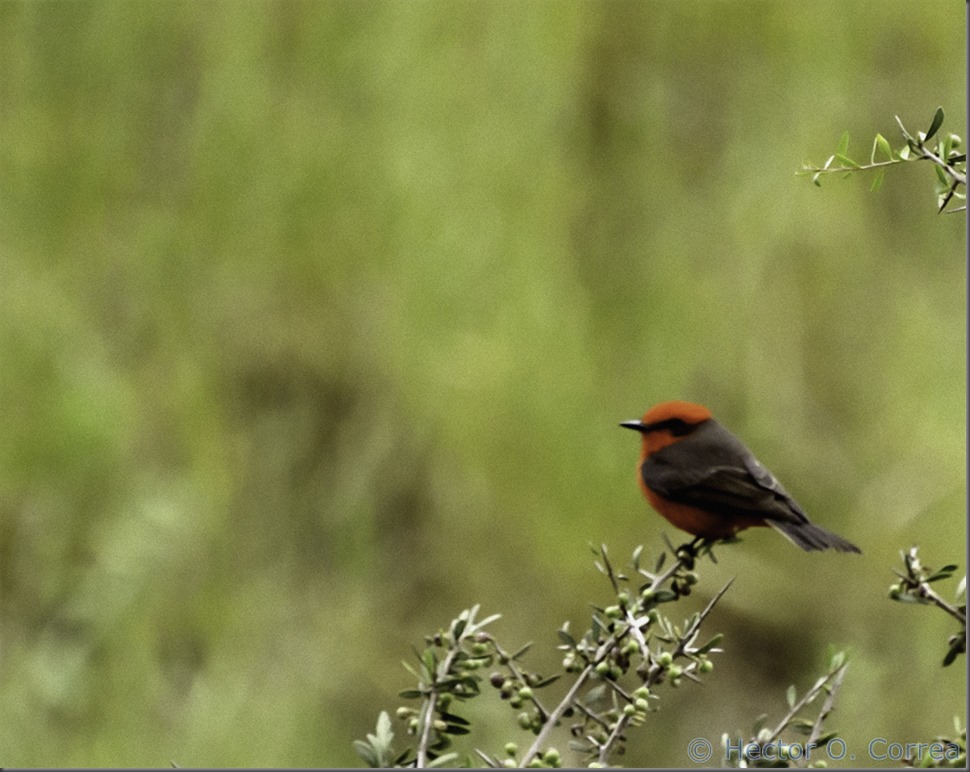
(545,682)
(935,125)
(791,695)
(710,644)
(366,753)
(877,180)
(384,732)
(376,751)
(816,179)
(843,144)
(907,597)
(803,726)
(487,621)
(660,562)
(411,694)
(837,661)
(944,199)
(904,153)
(413,671)
(468,684)
(952,654)
(443,760)
(566,638)
(882,144)
(846,161)
(828,162)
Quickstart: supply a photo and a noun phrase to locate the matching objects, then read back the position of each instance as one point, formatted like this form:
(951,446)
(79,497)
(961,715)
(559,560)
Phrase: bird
(705,481)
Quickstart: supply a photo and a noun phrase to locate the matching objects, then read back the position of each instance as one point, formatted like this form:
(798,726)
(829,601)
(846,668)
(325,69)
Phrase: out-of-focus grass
(317,320)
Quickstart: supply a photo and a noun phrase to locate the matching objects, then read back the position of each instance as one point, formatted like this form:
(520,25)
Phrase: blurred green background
(317,320)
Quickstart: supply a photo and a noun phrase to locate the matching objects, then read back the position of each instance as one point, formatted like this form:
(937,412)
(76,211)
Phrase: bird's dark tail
(810,537)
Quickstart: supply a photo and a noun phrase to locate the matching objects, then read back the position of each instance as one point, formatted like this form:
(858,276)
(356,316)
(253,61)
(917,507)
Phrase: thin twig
(810,695)
(653,676)
(558,711)
(427,718)
(826,707)
(930,594)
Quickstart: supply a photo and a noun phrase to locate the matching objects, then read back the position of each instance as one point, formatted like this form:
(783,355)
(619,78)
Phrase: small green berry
(613,612)
(642,704)
(629,710)
(511,749)
(524,720)
(665,659)
(551,757)
(642,693)
(676,671)
(706,666)
(525,692)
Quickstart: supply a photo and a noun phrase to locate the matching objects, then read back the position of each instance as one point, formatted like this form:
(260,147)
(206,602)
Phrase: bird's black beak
(637,426)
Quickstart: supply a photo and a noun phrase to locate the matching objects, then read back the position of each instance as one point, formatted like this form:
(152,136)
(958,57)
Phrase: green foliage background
(317,320)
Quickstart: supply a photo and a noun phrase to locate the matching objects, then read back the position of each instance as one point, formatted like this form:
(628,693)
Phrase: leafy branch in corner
(613,671)
(949,162)
(914,587)
(766,747)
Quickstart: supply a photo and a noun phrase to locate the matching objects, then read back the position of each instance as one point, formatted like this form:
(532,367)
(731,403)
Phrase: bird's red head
(688,412)
(666,423)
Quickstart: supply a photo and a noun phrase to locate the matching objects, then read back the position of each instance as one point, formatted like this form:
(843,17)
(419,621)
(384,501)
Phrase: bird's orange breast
(699,522)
